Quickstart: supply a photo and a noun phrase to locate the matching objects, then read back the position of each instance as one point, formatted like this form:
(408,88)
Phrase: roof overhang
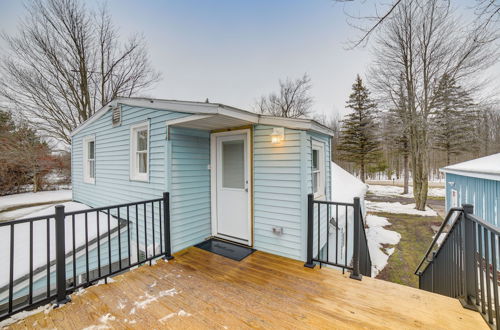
(209,116)
(473,174)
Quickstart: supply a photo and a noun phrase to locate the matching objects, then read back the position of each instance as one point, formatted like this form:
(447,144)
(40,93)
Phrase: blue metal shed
(231,173)
(475,182)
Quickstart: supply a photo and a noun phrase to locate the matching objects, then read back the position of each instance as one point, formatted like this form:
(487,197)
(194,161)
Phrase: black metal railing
(336,236)
(465,265)
(53,255)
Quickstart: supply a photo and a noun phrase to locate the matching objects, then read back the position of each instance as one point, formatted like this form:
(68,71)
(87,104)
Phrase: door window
(233,164)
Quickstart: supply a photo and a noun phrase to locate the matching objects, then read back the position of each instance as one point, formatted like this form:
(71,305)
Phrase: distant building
(475,182)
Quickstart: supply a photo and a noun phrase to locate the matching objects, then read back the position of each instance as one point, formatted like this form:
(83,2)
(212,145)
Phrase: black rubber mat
(225,249)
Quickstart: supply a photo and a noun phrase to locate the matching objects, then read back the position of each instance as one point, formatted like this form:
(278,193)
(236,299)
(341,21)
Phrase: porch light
(277,135)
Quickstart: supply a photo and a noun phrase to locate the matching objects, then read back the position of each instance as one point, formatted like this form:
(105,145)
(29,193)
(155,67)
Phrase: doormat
(225,249)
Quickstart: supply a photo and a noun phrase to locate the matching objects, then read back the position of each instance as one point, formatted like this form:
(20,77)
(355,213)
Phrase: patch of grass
(416,235)
(436,198)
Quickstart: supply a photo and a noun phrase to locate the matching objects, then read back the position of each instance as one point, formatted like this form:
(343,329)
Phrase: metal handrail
(436,237)
(43,217)
(361,259)
(465,265)
(484,224)
(58,259)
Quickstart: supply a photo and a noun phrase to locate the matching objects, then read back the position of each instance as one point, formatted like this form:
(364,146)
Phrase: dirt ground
(416,234)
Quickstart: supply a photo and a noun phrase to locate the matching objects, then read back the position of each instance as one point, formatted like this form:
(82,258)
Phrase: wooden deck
(199,289)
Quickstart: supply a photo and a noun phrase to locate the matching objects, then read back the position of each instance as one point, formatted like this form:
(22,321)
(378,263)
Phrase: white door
(232,186)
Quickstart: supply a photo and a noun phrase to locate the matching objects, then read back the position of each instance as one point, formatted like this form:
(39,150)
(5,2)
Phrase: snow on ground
(396,191)
(377,235)
(23,212)
(399,208)
(345,186)
(17,200)
(22,237)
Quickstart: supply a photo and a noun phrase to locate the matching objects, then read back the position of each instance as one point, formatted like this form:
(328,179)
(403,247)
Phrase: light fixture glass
(277,135)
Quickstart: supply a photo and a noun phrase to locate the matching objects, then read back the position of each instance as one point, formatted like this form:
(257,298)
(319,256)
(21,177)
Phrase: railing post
(166,219)
(356,242)
(62,298)
(469,248)
(310,228)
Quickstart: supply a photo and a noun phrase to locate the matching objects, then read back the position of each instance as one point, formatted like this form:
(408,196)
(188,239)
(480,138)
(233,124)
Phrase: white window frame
(134,166)
(86,161)
(320,147)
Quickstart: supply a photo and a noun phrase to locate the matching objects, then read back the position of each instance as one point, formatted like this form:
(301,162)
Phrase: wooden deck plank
(199,289)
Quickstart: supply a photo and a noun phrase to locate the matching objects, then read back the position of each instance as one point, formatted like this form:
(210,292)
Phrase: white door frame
(213,182)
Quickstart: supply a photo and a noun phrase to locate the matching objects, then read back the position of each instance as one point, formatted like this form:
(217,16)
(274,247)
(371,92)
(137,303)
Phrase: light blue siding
(282,180)
(179,163)
(186,156)
(278,192)
(482,193)
(189,186)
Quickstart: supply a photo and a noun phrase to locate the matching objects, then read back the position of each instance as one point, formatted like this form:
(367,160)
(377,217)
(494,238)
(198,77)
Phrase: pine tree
(358,142)
(452,119)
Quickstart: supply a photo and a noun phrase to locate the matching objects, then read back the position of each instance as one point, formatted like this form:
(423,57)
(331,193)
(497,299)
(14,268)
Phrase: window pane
(315,159)
(315,182)
(233,164)
(91,147)
(92,169)
(142,140)
(143,162)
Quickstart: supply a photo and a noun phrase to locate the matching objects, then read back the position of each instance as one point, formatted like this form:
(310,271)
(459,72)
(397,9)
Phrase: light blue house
(475,182)
(231,173)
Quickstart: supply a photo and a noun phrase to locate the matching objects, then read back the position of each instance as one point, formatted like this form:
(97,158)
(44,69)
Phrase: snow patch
(22,235)
(147,298)
(104,322)
(397,207)
(17,200)
(345,186)
(21,315)
(377,235)
(169,316)
(397,191)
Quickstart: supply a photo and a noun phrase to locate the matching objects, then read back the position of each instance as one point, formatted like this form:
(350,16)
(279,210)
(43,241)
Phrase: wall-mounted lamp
(277,135)
(451,183)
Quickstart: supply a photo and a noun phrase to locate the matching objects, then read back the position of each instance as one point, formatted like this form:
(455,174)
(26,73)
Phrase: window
(89,159)
(454,198)
(139,153)
(318,169)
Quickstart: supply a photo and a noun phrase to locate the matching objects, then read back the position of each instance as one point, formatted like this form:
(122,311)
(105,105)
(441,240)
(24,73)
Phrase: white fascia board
(240,114)
(175,106)
(186,119)
(198,108)
(295,123)
(479,175)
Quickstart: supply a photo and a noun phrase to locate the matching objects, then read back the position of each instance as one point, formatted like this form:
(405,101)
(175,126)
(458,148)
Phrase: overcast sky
(233,52)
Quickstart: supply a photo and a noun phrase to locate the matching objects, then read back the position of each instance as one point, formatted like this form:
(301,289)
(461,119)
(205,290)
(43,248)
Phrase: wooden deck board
(199,289)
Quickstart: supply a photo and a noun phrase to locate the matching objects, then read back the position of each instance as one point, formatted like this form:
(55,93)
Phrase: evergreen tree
(358,142)
(453,117)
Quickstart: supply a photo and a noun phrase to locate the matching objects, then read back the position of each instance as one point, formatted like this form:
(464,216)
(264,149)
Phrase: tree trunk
(420,179)
(362,171)
(406,173)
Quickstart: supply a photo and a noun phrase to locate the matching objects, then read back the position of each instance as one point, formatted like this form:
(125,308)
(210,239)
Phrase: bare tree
(67,61)
(487,13)
(418,44)
(293,100)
